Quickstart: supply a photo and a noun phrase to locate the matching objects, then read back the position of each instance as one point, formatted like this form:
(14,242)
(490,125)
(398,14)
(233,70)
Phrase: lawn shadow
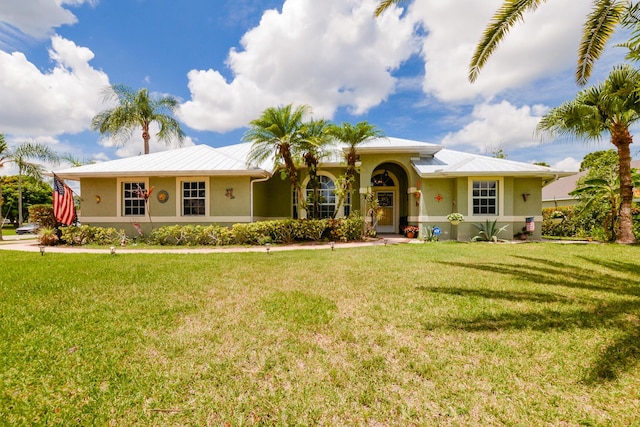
(618,312)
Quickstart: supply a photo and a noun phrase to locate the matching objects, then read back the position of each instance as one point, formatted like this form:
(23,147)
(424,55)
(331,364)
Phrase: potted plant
(556,217)
(523,234)
(411,231)
(48,236)
(455,218)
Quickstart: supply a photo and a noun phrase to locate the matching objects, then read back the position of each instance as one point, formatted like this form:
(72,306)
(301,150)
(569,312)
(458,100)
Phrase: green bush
(257,233)
(570,226)
(42,215)
(86,234)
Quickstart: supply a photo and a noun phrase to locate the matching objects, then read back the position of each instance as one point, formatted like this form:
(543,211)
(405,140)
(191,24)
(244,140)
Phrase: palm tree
(604,190)
(597,30)
(611,106)
(138,110)
(353,136)
(20,156)
(314,140)
(277,134)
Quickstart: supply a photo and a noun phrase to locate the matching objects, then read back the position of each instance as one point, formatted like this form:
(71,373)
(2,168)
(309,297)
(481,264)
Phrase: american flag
(63,207)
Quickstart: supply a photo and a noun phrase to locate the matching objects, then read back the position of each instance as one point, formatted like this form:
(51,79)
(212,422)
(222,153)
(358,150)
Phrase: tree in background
(34,192)
(138,110)
(20,156)
(609,107)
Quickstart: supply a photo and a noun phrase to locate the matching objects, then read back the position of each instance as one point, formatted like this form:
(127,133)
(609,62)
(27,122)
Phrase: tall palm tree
(314,139)
(597,30)
(138,110)
(20,156)
(352,136)
(604,190)
(277,134)
(609,107)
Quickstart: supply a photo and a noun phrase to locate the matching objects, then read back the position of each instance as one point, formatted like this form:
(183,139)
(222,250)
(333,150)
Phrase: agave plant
(488,232)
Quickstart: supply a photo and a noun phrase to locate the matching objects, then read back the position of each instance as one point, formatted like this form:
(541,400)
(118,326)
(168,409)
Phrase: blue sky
(228,60)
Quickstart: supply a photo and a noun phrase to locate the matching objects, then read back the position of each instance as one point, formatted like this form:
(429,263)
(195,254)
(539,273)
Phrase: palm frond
(598,28)
(384,5)
(502,21)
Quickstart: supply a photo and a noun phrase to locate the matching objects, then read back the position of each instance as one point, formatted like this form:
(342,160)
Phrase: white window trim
(120,198)
(302,213)
(500,181)
(207,195)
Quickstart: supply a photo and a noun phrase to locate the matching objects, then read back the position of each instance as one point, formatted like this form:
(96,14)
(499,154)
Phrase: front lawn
(436,334)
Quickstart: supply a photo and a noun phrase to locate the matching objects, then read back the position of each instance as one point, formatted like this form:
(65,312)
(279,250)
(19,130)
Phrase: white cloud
(135,145)
(500,125)
(327,54)
(544,44)
(34,18)
(568,164)
(46,103)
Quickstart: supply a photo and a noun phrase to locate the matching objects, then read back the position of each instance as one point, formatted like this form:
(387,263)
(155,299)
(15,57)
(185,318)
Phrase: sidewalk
(30,244)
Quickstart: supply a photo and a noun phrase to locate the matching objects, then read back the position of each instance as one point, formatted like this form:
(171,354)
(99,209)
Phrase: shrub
(86,234)
(42,215)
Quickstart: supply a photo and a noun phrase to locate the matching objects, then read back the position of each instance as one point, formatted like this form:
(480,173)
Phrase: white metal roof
(429,160)
(194,160)
(456,163)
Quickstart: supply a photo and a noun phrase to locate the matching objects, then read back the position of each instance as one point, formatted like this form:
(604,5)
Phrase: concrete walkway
(29,243)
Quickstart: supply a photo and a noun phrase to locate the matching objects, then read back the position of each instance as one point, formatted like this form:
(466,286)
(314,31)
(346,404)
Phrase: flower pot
(410,234)
(454,222)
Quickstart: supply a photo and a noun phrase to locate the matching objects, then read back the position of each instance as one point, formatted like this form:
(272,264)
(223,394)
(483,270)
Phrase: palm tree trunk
(622,139)
(145,138)
(20,198)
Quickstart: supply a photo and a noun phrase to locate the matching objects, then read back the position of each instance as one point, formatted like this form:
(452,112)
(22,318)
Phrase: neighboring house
(414,182)
(556,194)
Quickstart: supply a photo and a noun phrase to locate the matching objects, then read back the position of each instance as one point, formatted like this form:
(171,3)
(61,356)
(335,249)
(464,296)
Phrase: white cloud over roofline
(344,56)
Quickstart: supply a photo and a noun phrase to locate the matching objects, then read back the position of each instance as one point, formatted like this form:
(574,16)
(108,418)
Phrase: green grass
(434,334)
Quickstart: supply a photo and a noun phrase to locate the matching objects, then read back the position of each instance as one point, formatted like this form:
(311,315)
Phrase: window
(133,200)
(193,198)
(485,197)
(326,198)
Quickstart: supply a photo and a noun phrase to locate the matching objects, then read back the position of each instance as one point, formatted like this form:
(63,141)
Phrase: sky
(228,60)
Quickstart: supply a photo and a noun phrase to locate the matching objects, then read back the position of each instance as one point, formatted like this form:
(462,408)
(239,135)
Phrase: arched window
(382,179)
(326,198)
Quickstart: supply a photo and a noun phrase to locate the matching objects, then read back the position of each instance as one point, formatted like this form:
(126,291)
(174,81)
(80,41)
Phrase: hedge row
(257,233)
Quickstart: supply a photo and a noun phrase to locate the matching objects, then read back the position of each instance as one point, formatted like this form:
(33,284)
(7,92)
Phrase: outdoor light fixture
(112,250)
(332,244)
(268,245)
(525,196)
(98,199)
(41,249)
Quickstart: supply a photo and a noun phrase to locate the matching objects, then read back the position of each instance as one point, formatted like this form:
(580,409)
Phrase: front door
(387,223)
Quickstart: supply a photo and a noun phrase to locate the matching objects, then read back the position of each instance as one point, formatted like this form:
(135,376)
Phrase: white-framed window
(484,197)
(327,199)
(194,198)
(133,202)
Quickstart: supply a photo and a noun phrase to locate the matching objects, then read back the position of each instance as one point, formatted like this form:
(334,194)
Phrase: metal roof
(429,160)
(195,160)
(456,163)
